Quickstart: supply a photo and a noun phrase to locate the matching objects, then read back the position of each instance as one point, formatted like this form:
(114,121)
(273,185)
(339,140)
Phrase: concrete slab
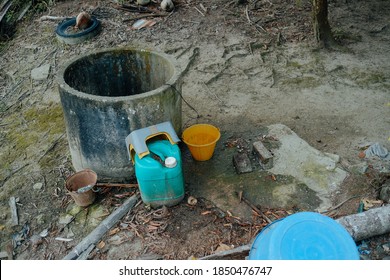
(302,177)
(295,157)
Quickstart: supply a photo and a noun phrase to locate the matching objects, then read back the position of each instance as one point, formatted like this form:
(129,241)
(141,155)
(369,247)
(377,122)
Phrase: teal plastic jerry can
(159,174)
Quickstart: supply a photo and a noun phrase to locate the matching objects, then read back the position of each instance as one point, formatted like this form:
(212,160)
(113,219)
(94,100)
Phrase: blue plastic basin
(304,236)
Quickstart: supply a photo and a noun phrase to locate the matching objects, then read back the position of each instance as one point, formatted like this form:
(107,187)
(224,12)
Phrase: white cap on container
(170,162)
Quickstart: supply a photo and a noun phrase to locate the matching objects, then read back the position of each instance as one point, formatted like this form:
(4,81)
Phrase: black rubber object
(89,32)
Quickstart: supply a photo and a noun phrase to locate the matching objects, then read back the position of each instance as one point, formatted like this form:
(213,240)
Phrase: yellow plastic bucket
(201,140)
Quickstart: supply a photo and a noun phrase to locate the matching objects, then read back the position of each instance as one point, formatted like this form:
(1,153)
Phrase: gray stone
(263,154)
(65,219)
(41,73)
(386,247)
(3,255)
(242,163)
(385,193)
(38,186)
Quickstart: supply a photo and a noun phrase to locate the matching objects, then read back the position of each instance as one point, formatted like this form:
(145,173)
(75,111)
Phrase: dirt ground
(247,63)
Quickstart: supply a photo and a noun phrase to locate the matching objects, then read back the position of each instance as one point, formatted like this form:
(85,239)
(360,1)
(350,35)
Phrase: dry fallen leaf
(113,231)
(101,245)
(223,247)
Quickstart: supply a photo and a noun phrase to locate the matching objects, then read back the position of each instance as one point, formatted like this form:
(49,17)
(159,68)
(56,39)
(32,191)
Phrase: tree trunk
(322,30)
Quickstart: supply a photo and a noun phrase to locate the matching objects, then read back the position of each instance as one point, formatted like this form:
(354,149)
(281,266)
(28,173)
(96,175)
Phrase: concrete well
(107,94)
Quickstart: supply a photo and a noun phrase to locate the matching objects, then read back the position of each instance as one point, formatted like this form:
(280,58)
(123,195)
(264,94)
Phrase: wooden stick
(14,211)
(109,185)
(102,228)
(43,18)
(199,11)
(247,15)
(257,210)
(241,251)
(339,205)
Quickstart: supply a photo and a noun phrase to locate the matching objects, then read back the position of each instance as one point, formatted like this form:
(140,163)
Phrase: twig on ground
(272,76)
(208,89)
(203,7)
(199,11)
(252,23)
(250,48)
(51,147)
(46,56)
(144,16)
(257,210)
(13,173)
(169,15)
(54,18)
(340,204)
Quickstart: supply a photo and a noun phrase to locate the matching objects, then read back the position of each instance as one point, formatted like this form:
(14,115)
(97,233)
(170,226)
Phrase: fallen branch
(43,18)
(86,253)
(367,224)
(241,252)
(212,93)
(14,211)
(13,173)
(102,228)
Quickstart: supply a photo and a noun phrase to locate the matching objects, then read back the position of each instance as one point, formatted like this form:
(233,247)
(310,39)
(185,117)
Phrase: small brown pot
(81,179)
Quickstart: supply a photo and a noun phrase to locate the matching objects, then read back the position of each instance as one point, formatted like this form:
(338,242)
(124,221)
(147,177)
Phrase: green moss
(46,119)
(343,36)
(294,64)
(27,129)
(370,78)
(301,82)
